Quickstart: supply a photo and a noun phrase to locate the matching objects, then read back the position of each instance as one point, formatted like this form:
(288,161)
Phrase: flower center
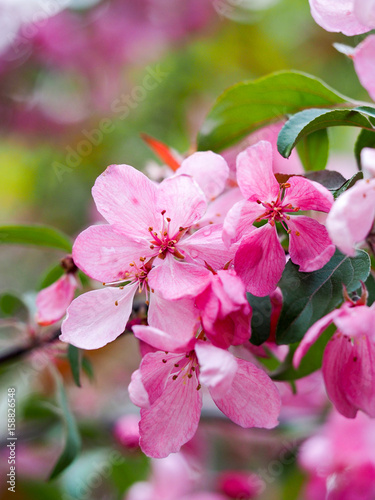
(185,368)
(163,242)
(277,211)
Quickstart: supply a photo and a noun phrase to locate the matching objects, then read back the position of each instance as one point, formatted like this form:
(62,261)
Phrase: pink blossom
(167,388)
(348,366)
(240,484)
(126,431)
(351,17)
(352,215)
(340,459)
(260,258)
(224,310)
(53,301)
(364,57)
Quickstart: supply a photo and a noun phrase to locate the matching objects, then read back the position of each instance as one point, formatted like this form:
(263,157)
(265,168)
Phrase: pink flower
(241,484)
(167,387)
(53,301)
(353,213)
(224,310)
(340,459)
(351,17)
(348,366)
(260,258)
(126,431)
(363,57)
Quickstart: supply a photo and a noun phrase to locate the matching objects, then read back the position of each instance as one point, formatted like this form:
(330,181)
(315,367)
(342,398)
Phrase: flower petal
(307,195)
(172,419)
(209,169)
(104,254)
(218,209)
(53,301)
(183,201)
(312,335)
(206,245)
(178,341)
(336,16)
(255,175)
(93,319)
(137,392)
(310,246)
(239,220)
(176,280)
(126,197)
(365,12)
(217,367)
(252,401)
(260,261)
(352,216)
(363,58)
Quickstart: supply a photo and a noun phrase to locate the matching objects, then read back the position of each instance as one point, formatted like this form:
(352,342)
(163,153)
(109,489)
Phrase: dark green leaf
(35,235)
(88,368)
(249,106)
(370,285)
(307,297)
(74,357)
(328,178)
(13,307)
(365,139)
(306,122)
(313,150)
(72,437)
(261,318)
(348,184)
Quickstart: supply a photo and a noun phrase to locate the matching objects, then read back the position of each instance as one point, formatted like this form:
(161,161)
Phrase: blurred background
(80,81)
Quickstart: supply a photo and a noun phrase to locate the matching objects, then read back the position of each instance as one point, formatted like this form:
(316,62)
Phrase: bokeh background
(80,81)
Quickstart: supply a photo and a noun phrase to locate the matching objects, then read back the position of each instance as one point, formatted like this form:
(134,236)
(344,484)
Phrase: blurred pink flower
(240,484)
(352,215)
(348,367)
(167,389)
(351,17)
(260,258)
(126,431)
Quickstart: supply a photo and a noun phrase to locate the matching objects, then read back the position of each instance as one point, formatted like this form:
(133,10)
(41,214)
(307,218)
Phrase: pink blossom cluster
(194,274)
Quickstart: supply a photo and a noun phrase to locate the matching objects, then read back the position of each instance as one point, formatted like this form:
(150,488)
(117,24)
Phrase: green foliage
(248,106)
(313,150)
(35,235)
(365,139)
(261,318)
(12,306)
(72,437)
(348,184)
(74,357)
(312,120)
(309,296)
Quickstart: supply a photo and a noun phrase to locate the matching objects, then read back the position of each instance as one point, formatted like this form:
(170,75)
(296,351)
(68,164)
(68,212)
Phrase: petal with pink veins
(206,245)
(209,169)
(357,322)
(53,301)
(310,246)
(307,195)
(95,318)
(218,209)
(253,399)
(176,280)
(363,58)
(260,261)
(166,315)
(217,367)
(312,335)
(172,420)
(183,201)
(126,197)
(337,16)
(352,216)
(105,255)
(255,175)
(239,220)
(181,340)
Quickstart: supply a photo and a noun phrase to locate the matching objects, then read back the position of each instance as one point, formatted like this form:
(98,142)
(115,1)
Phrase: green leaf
(328,178)
(12,306)
(348,184)
(261,318)
(311,362)
(73,439)
(88,368)
(313,150)
(52,275)
(306,122)
(251,105)
(35,235)
(74,357)
(307,297)
(365,139)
